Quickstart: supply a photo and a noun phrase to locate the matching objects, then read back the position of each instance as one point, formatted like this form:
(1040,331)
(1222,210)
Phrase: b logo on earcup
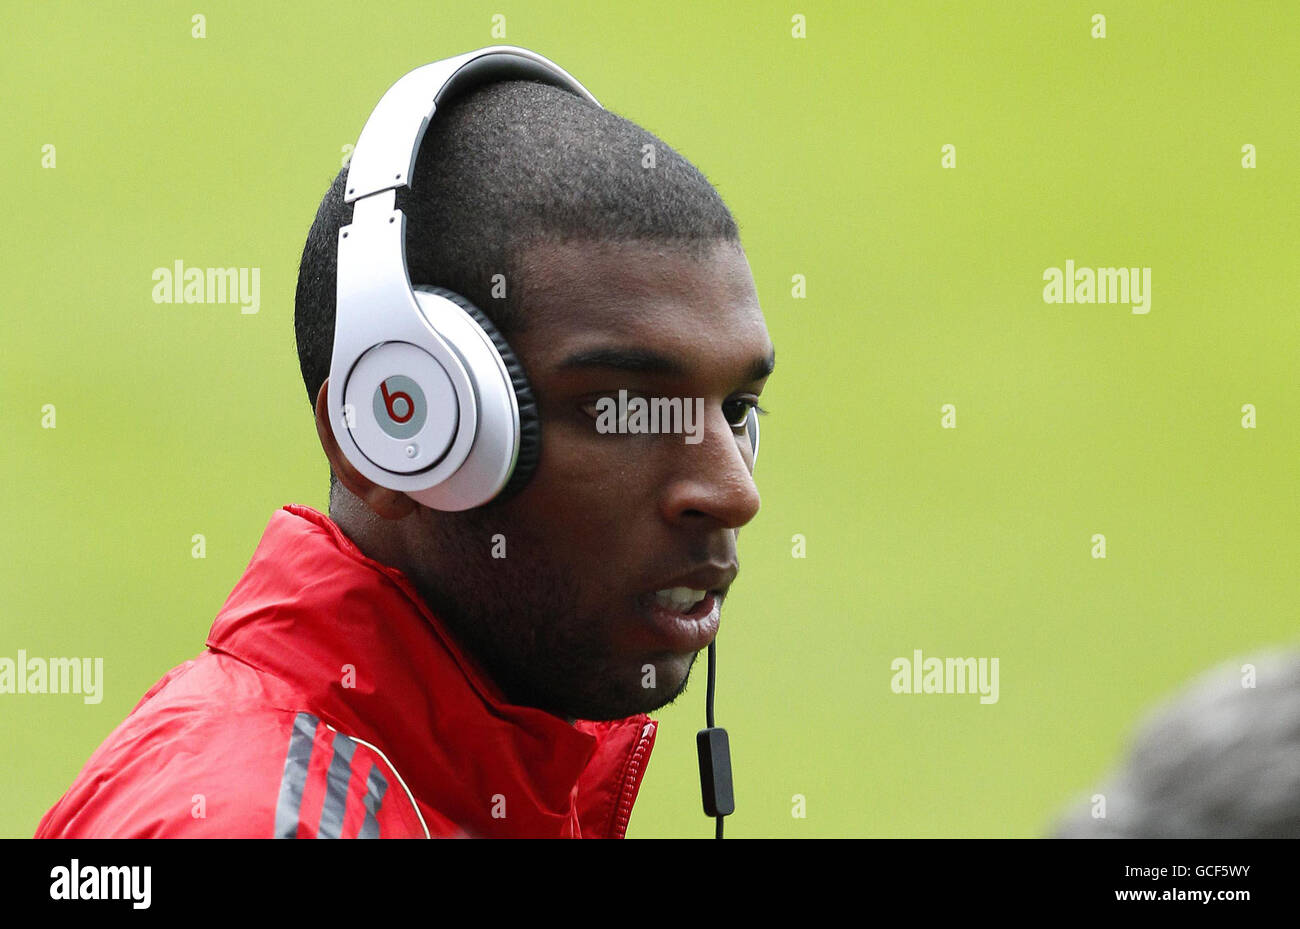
(399,406)
(399,397)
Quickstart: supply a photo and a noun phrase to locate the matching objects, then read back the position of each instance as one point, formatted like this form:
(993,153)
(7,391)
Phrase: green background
(923,288)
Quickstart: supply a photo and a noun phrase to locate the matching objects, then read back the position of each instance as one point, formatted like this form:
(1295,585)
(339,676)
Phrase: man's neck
(375,537)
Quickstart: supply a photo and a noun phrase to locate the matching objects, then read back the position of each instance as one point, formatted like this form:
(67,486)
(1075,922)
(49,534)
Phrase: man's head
(1217,760)
(623,271)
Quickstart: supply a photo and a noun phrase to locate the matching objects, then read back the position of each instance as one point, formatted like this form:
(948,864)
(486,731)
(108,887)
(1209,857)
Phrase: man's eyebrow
(645,361)
(637,360)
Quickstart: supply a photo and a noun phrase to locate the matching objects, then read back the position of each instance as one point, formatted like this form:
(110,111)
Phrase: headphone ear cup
(530,426)
(751,429)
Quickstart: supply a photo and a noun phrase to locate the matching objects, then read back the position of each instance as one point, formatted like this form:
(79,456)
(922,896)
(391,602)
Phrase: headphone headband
(473,437)
(385,153)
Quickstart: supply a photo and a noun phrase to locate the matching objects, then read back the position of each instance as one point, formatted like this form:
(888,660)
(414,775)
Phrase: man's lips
(711,577)
(681,613)
(682,630)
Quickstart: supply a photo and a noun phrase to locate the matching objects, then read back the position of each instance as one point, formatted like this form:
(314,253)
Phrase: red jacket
(331,703)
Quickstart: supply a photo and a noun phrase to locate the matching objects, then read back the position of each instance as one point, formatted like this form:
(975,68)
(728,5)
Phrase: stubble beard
(521,619)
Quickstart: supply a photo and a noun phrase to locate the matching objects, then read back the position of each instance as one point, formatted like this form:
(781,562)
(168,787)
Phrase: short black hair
(504,167)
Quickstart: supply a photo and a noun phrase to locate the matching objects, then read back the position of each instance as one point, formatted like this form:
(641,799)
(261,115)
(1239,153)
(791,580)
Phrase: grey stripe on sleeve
(376,786)
(336,796)
(295,776)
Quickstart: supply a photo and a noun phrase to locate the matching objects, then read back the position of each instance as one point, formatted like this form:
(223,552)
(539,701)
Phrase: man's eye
(607,404)
(737,411)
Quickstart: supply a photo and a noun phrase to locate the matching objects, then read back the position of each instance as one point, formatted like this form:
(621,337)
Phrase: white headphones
(425,396)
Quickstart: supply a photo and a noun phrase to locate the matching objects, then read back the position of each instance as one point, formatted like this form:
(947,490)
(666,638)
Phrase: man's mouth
(684,614)
(680,599)
(682,619)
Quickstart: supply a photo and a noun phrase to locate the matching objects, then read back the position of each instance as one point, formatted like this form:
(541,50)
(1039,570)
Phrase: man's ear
(389,504)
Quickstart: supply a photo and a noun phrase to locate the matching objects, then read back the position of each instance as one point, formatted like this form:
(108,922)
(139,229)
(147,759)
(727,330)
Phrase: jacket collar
(353,638)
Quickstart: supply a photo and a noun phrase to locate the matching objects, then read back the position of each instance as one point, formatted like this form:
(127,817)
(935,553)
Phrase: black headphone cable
(715,757)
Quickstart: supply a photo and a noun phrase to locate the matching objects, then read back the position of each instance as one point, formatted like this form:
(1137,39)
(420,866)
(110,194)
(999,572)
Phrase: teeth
(681,599)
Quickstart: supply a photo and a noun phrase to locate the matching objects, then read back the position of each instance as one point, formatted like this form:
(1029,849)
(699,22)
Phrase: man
(392,670)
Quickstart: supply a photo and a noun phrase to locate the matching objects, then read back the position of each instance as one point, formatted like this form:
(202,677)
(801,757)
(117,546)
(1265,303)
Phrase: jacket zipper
(631,781)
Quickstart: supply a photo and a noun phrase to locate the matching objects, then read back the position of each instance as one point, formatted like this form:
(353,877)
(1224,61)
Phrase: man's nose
(713,480)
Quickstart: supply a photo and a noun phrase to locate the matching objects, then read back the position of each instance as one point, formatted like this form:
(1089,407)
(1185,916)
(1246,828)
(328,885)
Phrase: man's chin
(656,686)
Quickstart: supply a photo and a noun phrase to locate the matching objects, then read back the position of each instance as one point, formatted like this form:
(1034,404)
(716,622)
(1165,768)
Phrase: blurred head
(623,270)
(1219,760)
